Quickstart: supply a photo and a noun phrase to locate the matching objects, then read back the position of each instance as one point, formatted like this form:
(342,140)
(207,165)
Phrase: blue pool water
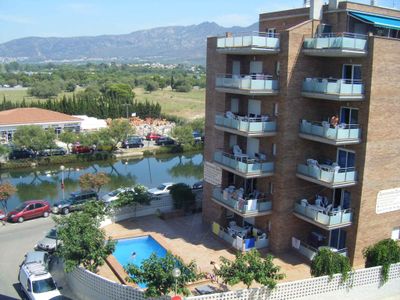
(143,246)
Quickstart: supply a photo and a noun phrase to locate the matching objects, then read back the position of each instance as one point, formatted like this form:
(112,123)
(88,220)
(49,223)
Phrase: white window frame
(351,109)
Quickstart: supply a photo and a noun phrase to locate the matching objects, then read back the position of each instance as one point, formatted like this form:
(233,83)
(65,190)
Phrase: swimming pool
(143,246)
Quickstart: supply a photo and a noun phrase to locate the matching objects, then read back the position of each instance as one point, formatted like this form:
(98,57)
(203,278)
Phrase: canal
(45,183)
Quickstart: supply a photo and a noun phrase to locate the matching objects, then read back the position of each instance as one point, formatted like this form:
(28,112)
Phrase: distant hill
(173,44)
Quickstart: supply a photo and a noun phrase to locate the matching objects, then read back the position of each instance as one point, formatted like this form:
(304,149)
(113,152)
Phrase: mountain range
(172,44)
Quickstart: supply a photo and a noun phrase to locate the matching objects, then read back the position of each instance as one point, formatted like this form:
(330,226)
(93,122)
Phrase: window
(396,233)
(273,149)
(276,109)
(346,158)
(38,205)
(271,32)
(349,115)
(351,72)
(271,188)
(31,207)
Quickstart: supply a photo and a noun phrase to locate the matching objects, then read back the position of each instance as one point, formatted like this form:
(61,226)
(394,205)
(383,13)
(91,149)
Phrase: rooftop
(19,116)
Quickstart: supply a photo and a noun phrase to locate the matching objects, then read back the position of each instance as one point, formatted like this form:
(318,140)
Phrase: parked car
(74,202)
(22,153)
(36,282)
(113,195)
(29,210)
(51,152)
(198,185)
(50,242)
(153,136)
(132,142)
(40,257)
(165,140)
(3,216)
(162,189)
(77,149)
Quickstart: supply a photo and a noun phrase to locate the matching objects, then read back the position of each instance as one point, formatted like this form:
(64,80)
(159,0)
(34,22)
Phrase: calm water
(45,183)
(135,250)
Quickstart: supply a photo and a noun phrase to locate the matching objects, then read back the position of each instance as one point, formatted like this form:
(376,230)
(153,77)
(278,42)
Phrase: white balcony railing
(309,251)
(256,83)
(336,87)
(244,204)
(251,125)
(244,164)
(330,174)
(340,133)
(349,41)
(331,218)
(249,40)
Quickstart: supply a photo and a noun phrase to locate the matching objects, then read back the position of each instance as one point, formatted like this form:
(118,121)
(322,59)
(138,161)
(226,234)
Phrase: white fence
(162,204)
(362,284)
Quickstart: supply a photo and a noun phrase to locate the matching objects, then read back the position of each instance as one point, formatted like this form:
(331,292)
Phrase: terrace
(255,43)
(333,89)
(249,84)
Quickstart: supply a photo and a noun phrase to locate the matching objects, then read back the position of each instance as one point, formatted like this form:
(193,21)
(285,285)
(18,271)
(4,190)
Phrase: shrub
(327,262)
(182,196)
(383,254)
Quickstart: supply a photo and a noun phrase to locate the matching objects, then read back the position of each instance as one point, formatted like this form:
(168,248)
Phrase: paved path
(15,241)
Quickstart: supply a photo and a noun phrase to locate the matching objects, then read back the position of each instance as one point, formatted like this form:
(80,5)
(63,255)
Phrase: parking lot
(16,240)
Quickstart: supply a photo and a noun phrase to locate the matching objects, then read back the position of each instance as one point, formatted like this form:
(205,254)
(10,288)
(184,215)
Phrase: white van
(36,282)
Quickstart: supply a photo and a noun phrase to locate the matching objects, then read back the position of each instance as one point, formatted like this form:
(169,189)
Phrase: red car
(153,136)
(29,210)
(76,149)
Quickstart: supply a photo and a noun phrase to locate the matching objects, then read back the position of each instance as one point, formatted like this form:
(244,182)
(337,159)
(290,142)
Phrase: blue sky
(21,18)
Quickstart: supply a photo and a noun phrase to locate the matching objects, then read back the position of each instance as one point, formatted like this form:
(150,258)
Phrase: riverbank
(99,156)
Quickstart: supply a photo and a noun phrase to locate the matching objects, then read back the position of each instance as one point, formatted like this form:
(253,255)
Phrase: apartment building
(302,146)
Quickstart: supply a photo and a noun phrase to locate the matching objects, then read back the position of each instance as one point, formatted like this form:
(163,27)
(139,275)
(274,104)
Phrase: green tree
(4,150)
(6,191)
(182,196)
(198,125)
(139,196)
(34,137)
(83,242)
(156,272)
(327,262)
(70,86)
(183,134)
(45,89)
(118,130)
(93,181)
(384,253)
(68,138)
(249,267)
(151,86)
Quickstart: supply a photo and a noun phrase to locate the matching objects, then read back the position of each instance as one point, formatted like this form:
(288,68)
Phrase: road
(16,240)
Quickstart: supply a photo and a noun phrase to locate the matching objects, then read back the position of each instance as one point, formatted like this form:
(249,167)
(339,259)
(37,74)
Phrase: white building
(11,119)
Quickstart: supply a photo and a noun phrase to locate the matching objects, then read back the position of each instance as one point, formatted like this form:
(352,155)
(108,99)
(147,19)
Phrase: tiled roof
(20,116)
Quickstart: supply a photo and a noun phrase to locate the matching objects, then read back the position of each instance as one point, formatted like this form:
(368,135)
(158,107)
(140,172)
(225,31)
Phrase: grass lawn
(187,105)
(17,95)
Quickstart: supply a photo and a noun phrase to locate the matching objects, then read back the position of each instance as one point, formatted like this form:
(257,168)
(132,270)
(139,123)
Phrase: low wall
(161,204)
(362,284)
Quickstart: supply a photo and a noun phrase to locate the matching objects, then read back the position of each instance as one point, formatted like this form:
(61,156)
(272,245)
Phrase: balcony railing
(238,203)
(342,134)
(309,251)
(249,43)
(336,44)
(241,238)
(327,175)
(247,84)
(326,218)
(260,126)
(333,89)
(245,166)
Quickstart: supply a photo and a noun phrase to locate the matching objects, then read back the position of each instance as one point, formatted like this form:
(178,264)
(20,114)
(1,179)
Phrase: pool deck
(191,239)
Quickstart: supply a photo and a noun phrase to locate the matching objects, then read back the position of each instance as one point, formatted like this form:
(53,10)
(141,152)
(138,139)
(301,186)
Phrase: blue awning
(377,20)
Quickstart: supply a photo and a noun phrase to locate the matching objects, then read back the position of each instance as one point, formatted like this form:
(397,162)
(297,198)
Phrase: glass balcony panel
(342,133)
(253,125)
(331,86)
(250,40)
(349,41)
(244,164)
(257,83)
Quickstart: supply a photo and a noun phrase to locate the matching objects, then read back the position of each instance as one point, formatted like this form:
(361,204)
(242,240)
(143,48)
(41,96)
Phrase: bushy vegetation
(383,253)
(182,196)
(327,262)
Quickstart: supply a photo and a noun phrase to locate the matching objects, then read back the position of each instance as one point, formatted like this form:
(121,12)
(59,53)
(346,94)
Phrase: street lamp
(176,272)
(62,168)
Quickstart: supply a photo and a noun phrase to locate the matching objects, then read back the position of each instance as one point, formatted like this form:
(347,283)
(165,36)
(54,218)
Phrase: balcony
(336,45)
(243,165)
(333,89)
(256,43)
(324,217)
(241,238)
(246,206)
(256,85)
(309,251)
(245,126)
(331,176)
(342,134)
